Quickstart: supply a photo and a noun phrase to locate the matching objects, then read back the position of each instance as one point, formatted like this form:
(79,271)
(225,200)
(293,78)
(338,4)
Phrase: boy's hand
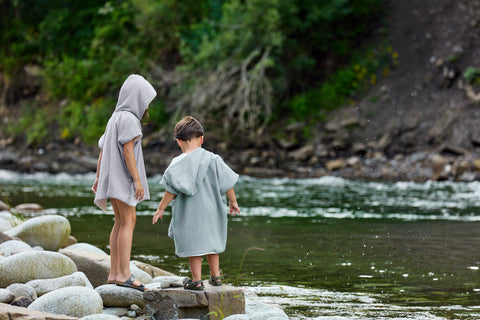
(158,215)
(234,208)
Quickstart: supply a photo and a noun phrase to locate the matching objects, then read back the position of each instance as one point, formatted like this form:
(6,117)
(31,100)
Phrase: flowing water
(324,248)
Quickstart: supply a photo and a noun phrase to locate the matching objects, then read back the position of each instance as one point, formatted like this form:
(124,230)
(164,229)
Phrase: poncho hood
(187,174)
(135,95)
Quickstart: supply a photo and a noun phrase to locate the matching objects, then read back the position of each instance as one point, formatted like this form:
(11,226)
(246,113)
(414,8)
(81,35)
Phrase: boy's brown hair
(188,128)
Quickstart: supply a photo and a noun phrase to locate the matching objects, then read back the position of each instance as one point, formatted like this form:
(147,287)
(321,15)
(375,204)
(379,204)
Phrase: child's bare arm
(232,202)
(95,184)
(132,168)
(167,198)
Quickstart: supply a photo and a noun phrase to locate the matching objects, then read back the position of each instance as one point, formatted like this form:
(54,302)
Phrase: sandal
(189,284)
(215,281)
(129,283)
(111,281)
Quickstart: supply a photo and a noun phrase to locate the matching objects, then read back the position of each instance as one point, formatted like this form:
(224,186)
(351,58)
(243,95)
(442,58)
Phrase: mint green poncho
(199,218)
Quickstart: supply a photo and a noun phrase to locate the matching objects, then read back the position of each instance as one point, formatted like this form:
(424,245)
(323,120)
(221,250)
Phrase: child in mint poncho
(197,180)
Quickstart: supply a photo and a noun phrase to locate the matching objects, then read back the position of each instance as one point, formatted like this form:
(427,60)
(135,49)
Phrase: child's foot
(189,284)
(215,281)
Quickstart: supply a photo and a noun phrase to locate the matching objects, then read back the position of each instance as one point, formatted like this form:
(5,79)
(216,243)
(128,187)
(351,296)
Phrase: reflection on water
(333,248)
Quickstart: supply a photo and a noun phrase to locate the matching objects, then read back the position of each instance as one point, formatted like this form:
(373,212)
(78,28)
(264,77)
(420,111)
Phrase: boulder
(22,290)
(6,296)
(100,317)
(258,310)
(336,164)
(4,206)
(43,286)
(11,247)
(151,270)
(116,296)
(167,282)
(49,232)
(96,266)
(12,312)
(8,221)
(86,247)
(25,266)
(28,208)
(72,301)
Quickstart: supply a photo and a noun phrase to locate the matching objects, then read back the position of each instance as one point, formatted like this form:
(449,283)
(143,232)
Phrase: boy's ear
(201,140)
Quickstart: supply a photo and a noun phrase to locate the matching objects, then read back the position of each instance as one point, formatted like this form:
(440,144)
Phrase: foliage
(472,75)
(242,59)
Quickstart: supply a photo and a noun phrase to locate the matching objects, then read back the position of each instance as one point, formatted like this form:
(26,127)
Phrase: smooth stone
(8,221)
(237,317)
(151,270)
(6,296)
(11,247)
(97,266)
(28,207)
(70,241)
(101,316)
(4,206)
(22,290)
(71,301)
(25,266)
(13,312)
(4,237)
(260,311)
(43,286)
(116,296)
(86,247)
(168,281)
(49,232)
(115,311)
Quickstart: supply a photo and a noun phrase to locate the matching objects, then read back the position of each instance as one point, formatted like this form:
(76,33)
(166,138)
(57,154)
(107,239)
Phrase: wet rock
(44,286)
(72,301)
(22,290)
(49,232)
(4,206)
(12,247)
(336,164)
(25,266)
(96,266)
(116,296)
(151,270)
(15,312)
(86,247)
(6,296)
(28,208)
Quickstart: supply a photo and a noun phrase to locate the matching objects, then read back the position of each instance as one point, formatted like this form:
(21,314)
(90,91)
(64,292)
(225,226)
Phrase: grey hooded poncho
(199,219)
(124,125)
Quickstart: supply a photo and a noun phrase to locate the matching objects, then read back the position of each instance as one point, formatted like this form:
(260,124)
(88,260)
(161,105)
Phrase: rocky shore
(47,274)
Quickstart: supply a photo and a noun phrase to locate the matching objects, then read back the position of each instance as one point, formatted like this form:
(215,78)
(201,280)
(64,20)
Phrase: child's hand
(95,185)
(234,208)
(139,191)
(158,215)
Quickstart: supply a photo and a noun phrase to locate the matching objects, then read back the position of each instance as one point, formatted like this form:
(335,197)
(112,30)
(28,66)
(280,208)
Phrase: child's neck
(188,146)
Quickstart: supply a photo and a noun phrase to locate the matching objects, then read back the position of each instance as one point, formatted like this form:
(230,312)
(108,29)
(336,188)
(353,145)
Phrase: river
(325,248)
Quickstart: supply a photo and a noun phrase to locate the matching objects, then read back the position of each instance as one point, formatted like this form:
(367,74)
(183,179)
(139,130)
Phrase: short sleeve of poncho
(129,128)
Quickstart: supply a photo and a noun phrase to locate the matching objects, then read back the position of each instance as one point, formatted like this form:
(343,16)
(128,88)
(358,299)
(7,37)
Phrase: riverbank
(440,164)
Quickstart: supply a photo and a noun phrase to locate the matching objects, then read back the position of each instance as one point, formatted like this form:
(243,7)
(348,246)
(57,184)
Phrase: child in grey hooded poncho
(115,180)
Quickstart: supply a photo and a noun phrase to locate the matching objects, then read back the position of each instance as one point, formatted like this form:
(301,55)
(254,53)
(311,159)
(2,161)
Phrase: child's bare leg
(114,262)
(196,267)
(214,264)
(127,218)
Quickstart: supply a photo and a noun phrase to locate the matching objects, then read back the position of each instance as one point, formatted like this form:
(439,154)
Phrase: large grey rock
(43,286)
(100,317)
(258,310)
(12,247)
(86,247)
(49,232)
(25,266)
(12,312)
(178,303)
(167,282)
(96,266)
(22,290)
(8,221)
(72,301)
(116,296)
(6,296)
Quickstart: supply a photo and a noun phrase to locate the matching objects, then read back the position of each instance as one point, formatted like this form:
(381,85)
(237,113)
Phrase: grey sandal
(189,284)
(129,283)
(215,281)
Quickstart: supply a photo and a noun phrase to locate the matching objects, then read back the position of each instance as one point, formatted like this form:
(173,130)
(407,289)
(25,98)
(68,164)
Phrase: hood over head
(135,95)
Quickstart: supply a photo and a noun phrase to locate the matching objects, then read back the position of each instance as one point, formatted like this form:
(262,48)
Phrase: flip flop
(129,283)
(111,281)
(189,284)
